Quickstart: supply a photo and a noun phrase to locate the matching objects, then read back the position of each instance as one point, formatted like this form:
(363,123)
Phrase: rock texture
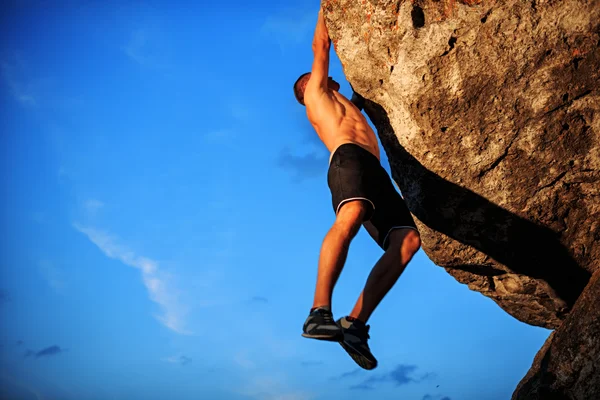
(568,365)
(489,114)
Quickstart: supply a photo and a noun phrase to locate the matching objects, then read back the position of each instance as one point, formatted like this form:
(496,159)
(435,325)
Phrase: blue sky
(164,200)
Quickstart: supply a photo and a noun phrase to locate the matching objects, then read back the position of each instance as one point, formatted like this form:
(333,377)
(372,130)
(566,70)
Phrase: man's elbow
(320,45)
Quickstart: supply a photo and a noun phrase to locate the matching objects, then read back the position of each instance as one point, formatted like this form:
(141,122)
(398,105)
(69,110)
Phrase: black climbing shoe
(320,325)
(356,336)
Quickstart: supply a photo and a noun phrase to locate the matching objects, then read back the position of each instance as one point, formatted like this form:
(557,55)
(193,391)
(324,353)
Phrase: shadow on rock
(519,244)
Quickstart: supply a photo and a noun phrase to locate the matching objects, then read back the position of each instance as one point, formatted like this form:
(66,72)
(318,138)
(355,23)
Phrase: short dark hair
(299,88)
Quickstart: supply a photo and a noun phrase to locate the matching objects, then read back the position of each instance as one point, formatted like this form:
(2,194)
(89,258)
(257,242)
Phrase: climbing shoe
(356,336)
(320,325)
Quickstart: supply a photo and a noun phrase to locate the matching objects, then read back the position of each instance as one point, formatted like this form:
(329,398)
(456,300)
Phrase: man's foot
(356,335)
(320,325)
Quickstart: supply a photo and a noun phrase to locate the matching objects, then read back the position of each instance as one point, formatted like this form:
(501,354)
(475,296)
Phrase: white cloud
(156,282)
(53,275)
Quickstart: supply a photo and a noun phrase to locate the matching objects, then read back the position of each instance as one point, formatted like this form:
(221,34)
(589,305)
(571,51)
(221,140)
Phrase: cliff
(488,113)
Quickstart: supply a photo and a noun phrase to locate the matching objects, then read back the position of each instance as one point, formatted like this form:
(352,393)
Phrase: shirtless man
(362,194)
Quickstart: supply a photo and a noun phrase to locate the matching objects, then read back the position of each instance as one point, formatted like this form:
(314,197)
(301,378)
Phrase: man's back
(337,120)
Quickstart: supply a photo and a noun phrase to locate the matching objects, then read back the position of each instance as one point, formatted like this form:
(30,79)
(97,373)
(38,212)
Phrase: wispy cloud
(173,313)
(435,397)
(181,360)
(401,375)
(92,206)
(47,352)
(348,374)
(21,90)
(136,47)
(146,46)
(243,360)
(54,276)
(303,167)
(363,386)
(259,299)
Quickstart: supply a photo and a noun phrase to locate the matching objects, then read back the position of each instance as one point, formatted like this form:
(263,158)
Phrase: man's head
(300,86)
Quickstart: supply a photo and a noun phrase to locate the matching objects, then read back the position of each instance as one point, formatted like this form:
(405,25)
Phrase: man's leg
(403,244)
(334,250)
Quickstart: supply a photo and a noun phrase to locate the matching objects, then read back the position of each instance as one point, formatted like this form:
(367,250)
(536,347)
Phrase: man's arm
(320,68)
(357,99)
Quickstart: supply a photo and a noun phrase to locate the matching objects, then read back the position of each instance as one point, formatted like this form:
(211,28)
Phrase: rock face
(568,365)
(489,114)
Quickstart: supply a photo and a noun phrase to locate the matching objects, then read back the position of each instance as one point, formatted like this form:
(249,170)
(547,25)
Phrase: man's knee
(404,241)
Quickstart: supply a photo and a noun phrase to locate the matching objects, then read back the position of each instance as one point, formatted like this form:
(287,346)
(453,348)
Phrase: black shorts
(356,174)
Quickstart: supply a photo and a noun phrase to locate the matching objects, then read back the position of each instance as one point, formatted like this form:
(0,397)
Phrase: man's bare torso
(338,121)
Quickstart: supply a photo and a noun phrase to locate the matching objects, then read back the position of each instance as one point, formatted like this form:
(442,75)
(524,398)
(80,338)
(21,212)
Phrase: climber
(362,194)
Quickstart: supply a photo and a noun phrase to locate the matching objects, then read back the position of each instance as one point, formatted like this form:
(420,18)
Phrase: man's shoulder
(317,99)
(314,91)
